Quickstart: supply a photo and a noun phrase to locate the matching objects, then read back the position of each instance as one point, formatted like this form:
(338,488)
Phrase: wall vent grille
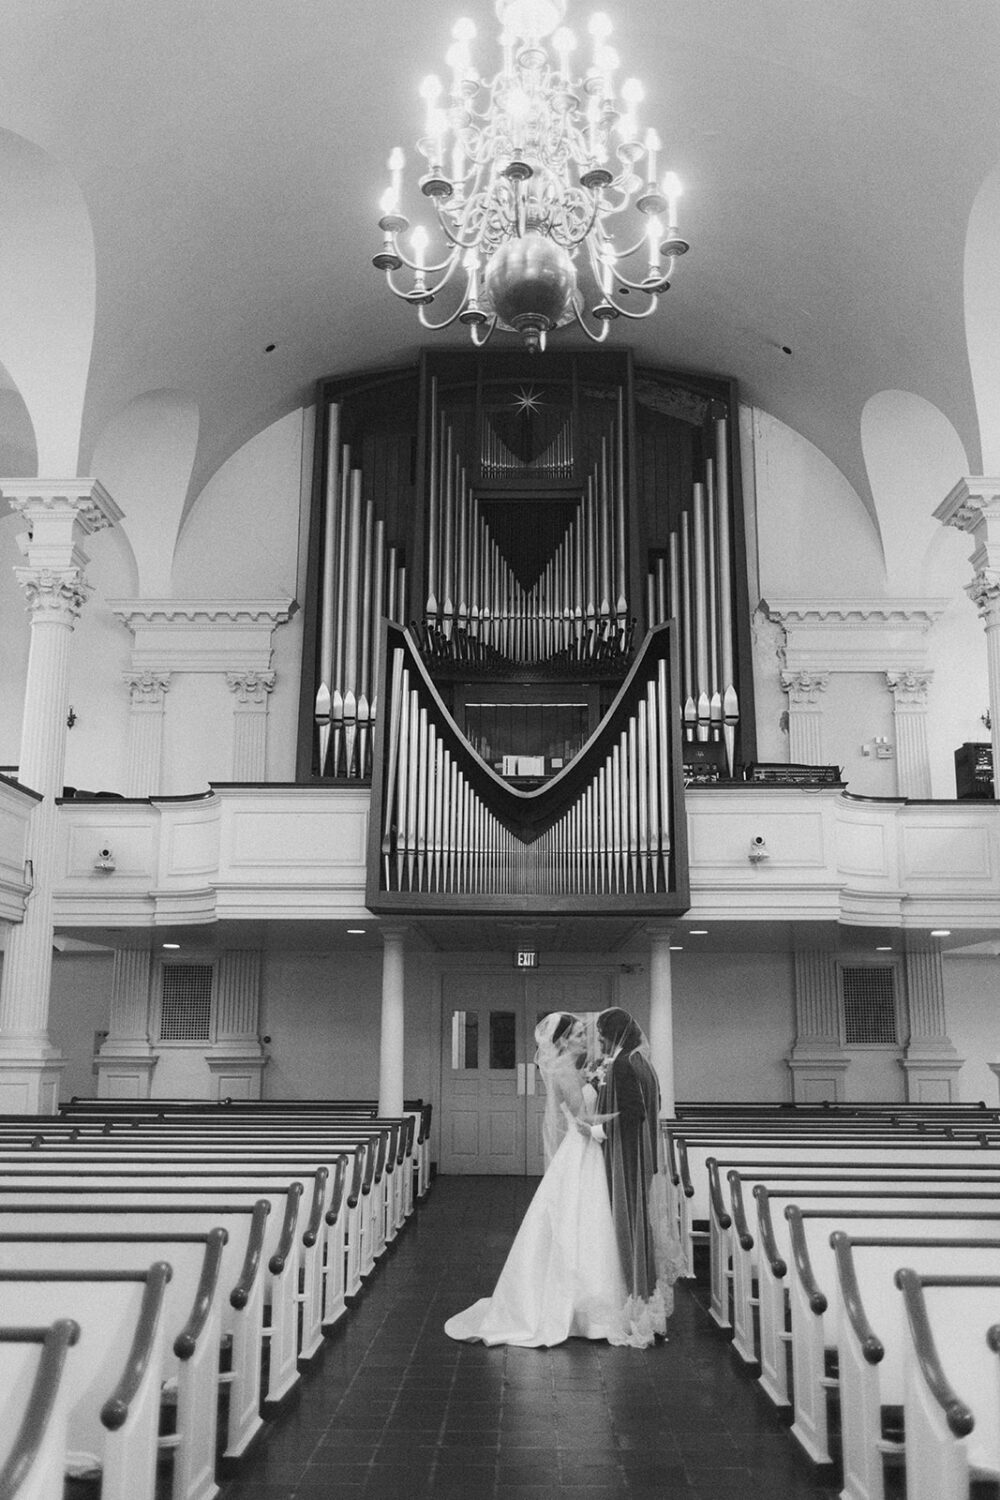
(869,996)
(186,1004)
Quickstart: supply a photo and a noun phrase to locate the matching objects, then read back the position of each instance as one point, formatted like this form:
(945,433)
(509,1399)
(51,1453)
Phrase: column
(974,506)
(817,1061)
(236,1058)
(392,1036)
(126,1060)
(57,514)
(930,1064)
(251,691)
(805,716)
(909,707)
(147,703)
(661,1017)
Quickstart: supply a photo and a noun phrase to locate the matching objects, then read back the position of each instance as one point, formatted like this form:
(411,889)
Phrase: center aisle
(395,1408)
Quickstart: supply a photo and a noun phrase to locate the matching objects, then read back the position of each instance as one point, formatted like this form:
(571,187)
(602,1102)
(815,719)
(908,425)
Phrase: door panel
(492,1100)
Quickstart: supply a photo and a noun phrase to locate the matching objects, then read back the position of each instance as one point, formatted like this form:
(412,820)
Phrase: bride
(563,1277)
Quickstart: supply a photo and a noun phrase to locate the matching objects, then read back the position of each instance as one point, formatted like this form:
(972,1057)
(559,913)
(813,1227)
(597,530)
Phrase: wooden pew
(113,1392)
(192,1317)
(925,1198)
(871,1332)
(281,1247)
(951,1404)
(33,1414)
(241,1275)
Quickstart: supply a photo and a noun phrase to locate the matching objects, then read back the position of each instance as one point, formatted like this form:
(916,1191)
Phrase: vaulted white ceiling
(231,154)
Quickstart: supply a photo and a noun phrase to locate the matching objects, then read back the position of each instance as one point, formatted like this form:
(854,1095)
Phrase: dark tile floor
(394,1408)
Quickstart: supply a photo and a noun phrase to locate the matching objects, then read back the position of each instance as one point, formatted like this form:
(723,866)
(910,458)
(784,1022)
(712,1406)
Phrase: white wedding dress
(563,1277)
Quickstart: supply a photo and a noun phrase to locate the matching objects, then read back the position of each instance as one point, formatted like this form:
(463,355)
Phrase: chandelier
(543,188)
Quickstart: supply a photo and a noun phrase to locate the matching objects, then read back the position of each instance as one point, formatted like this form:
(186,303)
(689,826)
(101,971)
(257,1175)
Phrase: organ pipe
(442,834)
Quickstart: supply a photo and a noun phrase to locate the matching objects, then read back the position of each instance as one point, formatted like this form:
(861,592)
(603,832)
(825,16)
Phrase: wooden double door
(492,1101)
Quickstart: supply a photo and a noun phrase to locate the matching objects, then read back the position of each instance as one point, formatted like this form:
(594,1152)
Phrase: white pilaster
(57,514)
(126,1060)
(909,706)
(817,1061)
(974,506)
(805,716)
(392,1035)
(236,1058)
(931,1064)
(661,1017)
(147,704)
(251,692)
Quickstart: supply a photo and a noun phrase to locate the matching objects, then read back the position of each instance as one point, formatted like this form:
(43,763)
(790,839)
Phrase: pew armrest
(871,1345)
(803,1264)
(768,1243)
(320,1178)
(682,1157)
(337,1192)
(957,1414)
(187,1340)
(55,1340)
(286,1239)
(114,1412)
(240,1294)
(357,1176)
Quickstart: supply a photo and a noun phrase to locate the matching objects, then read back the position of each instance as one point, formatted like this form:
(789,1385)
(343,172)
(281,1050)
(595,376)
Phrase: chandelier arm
(474,333)
(415,266)
(595,338)
(635,316)
(637,286)
(425,322)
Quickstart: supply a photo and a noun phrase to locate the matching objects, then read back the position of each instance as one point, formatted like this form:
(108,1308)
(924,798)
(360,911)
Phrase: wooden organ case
(527,625)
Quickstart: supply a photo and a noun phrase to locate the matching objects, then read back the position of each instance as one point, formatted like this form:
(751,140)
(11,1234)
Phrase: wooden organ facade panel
(528,521)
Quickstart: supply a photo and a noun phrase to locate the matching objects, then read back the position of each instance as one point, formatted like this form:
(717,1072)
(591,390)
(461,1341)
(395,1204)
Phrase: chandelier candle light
(530,189)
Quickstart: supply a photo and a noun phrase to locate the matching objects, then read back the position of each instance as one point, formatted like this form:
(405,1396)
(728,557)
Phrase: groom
(629,1103)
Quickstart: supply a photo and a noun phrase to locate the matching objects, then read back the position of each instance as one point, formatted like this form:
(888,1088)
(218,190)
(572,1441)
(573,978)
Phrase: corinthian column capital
(54,595)
(147,689)
(908,688)
(984,591)
(804,688)
(251,687)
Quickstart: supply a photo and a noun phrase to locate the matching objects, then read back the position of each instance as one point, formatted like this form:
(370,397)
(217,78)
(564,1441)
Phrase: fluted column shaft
(129,1019)
(974,506)
(817,1061)
(147,705)
(237,994)
(57,515)
(909,706)
(805,716)
(392,1037)
(251,691)
(661,1020)
(931,1064)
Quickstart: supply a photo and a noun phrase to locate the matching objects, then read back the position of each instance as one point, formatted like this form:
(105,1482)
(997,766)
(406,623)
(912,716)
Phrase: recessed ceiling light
(698,932)
(676,947)
(356,931)
(940,932)
(886,949)
(171,945)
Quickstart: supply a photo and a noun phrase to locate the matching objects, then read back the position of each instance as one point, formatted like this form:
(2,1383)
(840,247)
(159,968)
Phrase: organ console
(528,522)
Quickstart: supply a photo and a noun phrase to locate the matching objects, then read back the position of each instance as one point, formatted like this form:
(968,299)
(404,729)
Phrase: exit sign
(526,958)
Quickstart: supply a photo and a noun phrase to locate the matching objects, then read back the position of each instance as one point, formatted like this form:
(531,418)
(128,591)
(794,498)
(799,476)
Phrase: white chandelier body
(535,191)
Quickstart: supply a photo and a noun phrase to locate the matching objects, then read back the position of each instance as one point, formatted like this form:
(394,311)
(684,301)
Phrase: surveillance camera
(758,849)
(105,860)
(105,853)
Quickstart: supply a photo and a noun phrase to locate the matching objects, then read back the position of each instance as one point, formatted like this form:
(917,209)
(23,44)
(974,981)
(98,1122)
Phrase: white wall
(81,1005)
(972,1009)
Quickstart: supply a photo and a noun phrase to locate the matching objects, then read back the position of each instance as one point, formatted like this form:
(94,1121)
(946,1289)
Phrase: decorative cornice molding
(975,499)
(91,506)
(202,635)
(914,613)
(909,688)
(54,595)
(855,635)
(251,687)
(804,688)
(186,612)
